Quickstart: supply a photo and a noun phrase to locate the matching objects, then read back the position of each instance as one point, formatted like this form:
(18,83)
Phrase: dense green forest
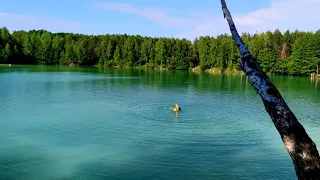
(289,53)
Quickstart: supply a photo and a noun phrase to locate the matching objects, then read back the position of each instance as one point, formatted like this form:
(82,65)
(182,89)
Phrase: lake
(60,123)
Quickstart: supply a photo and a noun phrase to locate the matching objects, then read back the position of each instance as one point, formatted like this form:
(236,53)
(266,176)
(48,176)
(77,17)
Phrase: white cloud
(281,14)
(26,22)
(285,14)
(153,14)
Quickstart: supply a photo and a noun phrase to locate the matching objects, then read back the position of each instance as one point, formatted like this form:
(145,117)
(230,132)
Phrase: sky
(159,18)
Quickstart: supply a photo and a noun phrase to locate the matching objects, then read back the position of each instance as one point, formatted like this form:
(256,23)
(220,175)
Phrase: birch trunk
(299,145)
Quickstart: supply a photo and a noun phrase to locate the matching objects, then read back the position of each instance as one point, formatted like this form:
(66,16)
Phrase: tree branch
(299,145)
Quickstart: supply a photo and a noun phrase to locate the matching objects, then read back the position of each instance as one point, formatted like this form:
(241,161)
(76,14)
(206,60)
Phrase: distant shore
(197,69)
(5,64)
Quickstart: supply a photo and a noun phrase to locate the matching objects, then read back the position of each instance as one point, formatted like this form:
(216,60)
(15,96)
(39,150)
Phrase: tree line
(288,53)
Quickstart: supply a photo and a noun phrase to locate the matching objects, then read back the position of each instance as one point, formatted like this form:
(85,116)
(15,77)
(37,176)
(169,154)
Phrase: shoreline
(9,65)
(196,70)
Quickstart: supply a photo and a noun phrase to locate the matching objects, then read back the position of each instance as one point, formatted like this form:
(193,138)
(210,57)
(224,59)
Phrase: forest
(288,53)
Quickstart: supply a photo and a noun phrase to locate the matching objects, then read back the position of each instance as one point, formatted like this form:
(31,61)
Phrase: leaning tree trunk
(299,145)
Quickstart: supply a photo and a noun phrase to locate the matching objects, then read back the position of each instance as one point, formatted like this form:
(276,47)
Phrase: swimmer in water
(176,108)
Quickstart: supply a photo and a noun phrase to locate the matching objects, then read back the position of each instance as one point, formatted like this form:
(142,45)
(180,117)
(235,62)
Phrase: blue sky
(171,18)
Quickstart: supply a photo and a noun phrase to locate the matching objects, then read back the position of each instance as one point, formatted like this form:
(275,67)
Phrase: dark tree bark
(299,145)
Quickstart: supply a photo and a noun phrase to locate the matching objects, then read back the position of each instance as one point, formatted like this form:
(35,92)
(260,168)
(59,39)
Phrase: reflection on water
(176,113)
(96,123)
(315,81)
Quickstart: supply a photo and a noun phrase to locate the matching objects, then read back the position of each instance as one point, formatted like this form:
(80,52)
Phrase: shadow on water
(181,162)
(185,160)
(25,162)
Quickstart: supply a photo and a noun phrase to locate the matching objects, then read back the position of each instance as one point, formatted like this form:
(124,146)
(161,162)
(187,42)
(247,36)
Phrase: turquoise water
(88,123)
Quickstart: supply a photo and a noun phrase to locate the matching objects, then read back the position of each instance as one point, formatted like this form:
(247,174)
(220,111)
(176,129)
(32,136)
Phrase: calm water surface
(88,123)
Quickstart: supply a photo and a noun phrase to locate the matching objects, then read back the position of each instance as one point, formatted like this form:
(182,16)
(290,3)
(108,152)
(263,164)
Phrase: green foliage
(294,53)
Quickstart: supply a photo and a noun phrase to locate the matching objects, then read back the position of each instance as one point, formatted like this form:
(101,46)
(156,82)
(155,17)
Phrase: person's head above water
(176,107)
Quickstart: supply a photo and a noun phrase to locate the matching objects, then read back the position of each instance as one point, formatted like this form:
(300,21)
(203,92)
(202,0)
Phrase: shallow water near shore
(110,123)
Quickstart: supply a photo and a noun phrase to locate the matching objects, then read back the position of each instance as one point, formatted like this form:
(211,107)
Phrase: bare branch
(299,145)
